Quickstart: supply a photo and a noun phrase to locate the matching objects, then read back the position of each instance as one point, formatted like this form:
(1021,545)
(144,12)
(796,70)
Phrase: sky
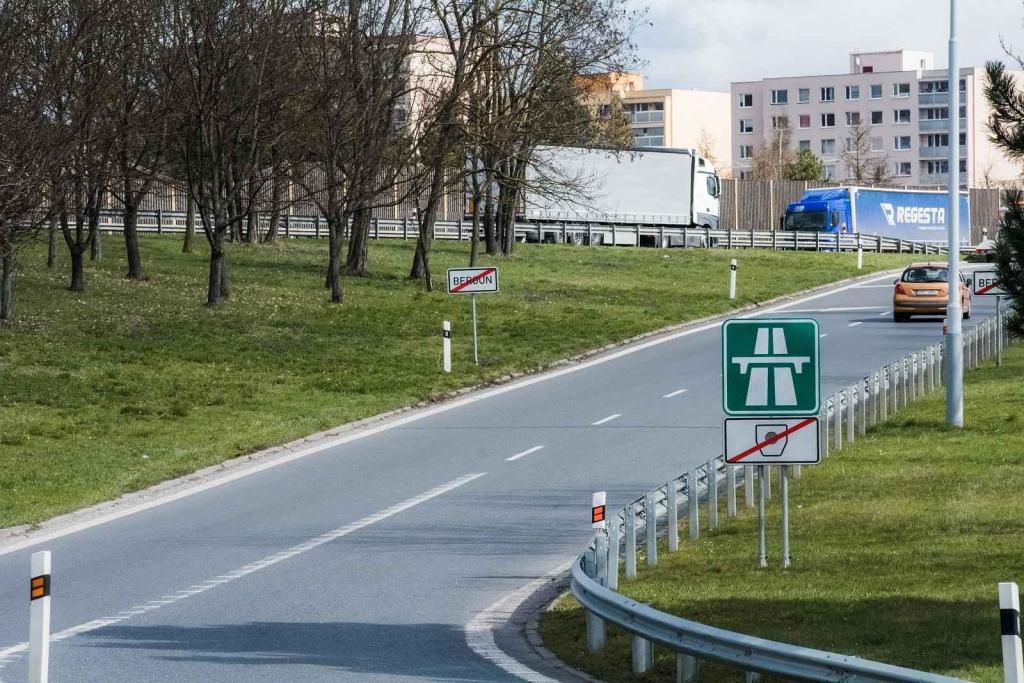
(707,44)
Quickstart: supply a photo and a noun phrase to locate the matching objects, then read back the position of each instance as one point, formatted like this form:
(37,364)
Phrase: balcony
(647,117)
(941,152)
(926,125)
(940,98)
(940,179)
(649,141)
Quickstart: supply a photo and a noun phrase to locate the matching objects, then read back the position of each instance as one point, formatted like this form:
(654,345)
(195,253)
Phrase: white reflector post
(1009,627)
(39,619)
(446,333)
(732,279)
(597,510)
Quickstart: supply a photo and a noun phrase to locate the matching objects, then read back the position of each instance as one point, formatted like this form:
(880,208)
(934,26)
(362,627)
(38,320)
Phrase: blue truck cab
(913,215)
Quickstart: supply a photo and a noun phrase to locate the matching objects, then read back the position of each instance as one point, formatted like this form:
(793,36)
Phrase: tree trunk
(277,189)
(251,220)
(131,239)
(358,246)
(96,246)
(421,261)
(335,230)
(7,286)
(51,245)
(490,239)
(77,269)
(214,291)
(190,224)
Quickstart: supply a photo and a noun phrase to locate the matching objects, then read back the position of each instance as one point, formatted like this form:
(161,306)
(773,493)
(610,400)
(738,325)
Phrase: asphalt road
(365,562)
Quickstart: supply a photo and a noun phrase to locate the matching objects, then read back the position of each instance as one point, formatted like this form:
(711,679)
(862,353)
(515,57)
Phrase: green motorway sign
(771,367)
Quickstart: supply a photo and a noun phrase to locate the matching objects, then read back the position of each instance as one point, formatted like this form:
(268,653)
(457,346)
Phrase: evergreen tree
(806,166)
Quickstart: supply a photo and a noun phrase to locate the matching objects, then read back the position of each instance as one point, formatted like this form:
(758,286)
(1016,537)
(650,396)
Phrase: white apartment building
(899,95)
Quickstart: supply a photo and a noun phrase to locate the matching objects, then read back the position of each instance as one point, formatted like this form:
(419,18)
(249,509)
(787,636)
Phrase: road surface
(366,561)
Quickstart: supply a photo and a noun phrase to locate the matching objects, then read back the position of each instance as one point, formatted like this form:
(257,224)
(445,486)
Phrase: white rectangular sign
(472,280)
(986,283)
(772,441)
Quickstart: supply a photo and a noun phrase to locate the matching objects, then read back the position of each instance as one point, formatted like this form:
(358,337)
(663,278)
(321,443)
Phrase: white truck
(673,188)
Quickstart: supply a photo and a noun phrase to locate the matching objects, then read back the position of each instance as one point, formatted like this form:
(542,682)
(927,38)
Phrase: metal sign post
(784,487)
(473,281)
(762,550)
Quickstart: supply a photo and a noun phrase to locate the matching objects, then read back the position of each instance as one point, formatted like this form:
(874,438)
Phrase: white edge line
(854,324)
(523,454)
(606,419)
(398,422)
(822,335)
(252,567)
(675,393)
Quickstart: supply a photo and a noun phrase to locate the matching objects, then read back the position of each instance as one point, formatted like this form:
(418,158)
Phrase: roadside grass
(898,545)
(130,384)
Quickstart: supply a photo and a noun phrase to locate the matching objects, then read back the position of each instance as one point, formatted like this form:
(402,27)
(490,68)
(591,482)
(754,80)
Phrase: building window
(746,126)
(901,116)
(935,167)
(746,175)
(876,144)
(828,146)
(902,169)
(828,120)
(934,114)
(853,92)
(780,97)
(830,171)
(876,91)
(649,137)
(804,146)
(828,94)
(746,151)
(902,142)
(928,87)
(936,140)
(853,118)
(803,95)
(868,70)
(805,120)
(746,100)
(780,122)
(963,165)
(901,90)
(850,144)
(963,139)
(877,118)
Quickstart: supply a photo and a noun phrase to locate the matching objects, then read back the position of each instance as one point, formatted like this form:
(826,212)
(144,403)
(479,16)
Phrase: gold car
(923,289)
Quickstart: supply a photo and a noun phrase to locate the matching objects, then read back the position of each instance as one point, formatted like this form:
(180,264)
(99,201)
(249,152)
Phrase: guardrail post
(817,241)
(862,426)
(643,654)
(672,503)
(905,376)
(405,228)
(39,619)
(883,397)
(837,420)
(159,221)
(614,240)
(693,498)
(1009,628)
(687,668)
(729,239)
(922,372)
(376,227)
(930,371)
(630,524)
(595,625)
(661,237)
(748,486)
(878,243)
(876,381)
(563,232)
(613,554)
(651,527)
(851,406)
(686,236)
(912,377)
(825,436)
(590,235)
(712,495)
(730,490)
(707,238)
(751,677)
(999,332)
(460,229)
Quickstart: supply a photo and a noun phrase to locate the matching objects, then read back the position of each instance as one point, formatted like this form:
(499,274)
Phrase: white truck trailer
(674,188)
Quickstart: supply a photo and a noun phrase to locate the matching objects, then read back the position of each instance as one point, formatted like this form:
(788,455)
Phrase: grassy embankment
(131,383)
(899,543)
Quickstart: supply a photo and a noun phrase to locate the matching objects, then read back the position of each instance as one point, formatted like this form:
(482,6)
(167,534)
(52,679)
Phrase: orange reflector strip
(39,587)
(597,514)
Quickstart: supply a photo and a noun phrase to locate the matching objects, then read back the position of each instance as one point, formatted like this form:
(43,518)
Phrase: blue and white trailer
(912,215)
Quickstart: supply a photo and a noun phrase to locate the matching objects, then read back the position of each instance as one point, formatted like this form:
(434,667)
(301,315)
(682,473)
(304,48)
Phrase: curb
(23,534)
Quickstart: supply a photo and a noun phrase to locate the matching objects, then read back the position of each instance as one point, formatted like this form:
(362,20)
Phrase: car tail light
(900,289)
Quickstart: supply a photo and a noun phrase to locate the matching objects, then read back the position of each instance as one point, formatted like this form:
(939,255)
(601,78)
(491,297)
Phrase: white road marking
(606,419)
(7,653)
(675,393)
(874,287)
(884,313)
(524,453)
(480,631)
(46,537)
(859,322)
(822,335)
(837,309)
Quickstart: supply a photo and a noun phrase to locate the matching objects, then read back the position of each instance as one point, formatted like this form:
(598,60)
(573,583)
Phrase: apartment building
(898,96)
(668,117)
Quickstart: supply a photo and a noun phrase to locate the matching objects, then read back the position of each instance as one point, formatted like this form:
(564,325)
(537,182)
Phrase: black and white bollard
(446,332)
(860,256)
(39,619)
(732,279)
(1009,627)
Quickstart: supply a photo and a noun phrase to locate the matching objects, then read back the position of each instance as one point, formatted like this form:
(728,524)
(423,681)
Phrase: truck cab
(822,210)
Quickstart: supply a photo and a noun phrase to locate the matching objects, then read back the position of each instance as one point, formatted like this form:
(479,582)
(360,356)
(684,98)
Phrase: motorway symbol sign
(986,283)
(472,280)
(772,441)
(770,367)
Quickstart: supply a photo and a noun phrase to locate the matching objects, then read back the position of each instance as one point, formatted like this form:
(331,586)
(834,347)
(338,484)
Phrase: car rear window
(926,275)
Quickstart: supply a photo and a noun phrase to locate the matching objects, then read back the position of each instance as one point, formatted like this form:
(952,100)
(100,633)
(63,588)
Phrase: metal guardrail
(845,415)
(635,234)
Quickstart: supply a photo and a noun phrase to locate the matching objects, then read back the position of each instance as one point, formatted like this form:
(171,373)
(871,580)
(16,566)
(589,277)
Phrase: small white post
(732,279)
(476,346)
(39,620)
(1009,627)
(446,331)
(597,510)
(860,256)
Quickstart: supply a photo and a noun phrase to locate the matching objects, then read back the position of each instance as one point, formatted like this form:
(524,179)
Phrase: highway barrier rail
(653,235)
(845,416)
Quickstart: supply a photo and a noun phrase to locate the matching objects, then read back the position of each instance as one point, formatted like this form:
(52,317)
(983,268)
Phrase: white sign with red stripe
(472,280)
(986,283)
(772,441)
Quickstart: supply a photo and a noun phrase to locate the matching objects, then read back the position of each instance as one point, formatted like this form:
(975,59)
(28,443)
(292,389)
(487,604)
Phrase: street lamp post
(954,312)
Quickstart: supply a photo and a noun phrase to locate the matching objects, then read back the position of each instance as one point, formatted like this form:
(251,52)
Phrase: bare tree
(864,164)
(772,158)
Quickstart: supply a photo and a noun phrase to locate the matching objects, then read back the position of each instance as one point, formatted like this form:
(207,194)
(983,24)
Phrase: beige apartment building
(669,117)
(899,96)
